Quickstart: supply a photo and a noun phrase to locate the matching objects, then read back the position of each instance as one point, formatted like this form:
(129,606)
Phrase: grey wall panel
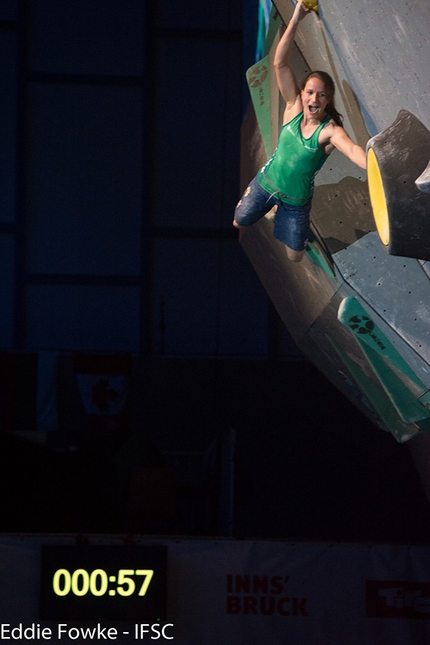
(198,119)
(381,49)
(104,319)
(7,126)
(299,291)
(387,45)
(81,37)
(397,289)
(85,180)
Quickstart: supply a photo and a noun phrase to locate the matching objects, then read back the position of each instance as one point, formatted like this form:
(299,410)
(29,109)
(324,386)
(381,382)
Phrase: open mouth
(313,109)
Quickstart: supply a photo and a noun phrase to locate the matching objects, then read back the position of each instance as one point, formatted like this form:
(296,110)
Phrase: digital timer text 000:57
(81,582)
(96,582)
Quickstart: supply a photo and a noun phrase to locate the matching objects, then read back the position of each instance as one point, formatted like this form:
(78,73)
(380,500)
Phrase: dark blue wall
(119,173)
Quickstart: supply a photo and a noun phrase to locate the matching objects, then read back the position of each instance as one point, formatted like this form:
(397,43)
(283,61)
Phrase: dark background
(119,172)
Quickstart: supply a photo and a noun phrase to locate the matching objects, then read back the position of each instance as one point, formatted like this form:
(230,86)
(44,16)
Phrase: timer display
(80,582)
(97,582)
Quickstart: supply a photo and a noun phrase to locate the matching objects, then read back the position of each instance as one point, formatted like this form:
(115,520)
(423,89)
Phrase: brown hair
(330,89)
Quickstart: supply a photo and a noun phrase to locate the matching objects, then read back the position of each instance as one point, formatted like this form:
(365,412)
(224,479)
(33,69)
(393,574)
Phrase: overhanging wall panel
(82,318)
(85,180)
(383,55)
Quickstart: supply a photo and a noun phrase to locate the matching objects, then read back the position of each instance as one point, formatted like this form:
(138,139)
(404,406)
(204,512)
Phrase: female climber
(311,130)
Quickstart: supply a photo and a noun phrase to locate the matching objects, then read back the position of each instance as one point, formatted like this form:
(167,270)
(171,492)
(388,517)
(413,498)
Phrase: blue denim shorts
(291,224)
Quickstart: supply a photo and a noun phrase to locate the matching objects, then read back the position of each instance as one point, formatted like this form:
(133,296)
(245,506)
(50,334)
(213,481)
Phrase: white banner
(227,592)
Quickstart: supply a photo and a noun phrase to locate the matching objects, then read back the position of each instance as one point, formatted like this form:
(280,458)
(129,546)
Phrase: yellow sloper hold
(377,197)
(312,5)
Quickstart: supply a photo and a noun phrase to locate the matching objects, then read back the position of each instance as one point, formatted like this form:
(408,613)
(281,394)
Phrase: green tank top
(291,170)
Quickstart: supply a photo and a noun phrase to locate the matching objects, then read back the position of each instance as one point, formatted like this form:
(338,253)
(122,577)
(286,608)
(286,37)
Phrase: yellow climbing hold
(377,197)
(312,5)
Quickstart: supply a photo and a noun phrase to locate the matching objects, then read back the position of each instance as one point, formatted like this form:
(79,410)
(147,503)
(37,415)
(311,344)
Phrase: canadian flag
(103,382)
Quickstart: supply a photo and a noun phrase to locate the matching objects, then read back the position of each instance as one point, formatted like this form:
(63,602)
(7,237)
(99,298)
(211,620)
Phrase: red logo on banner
(393,599)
